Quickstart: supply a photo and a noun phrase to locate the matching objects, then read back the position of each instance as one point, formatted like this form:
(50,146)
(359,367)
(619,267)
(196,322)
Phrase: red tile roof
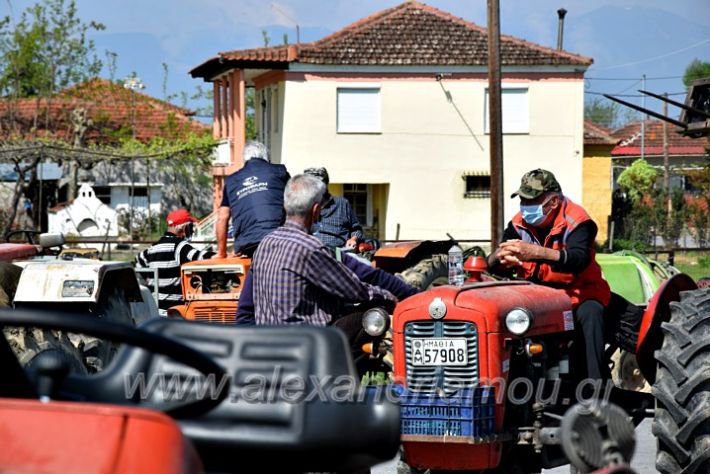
(595,134)
(629,138)
(110,107)
(411,33)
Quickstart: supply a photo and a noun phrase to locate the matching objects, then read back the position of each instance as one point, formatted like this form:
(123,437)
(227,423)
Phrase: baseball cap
(535,183)
(180,216)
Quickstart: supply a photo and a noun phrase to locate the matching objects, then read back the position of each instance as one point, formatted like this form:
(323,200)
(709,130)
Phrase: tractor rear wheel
(428,273)
(28,343)
(682,388)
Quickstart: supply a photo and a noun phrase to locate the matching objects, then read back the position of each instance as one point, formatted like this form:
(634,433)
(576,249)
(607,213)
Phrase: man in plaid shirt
(338,225)
(297,279)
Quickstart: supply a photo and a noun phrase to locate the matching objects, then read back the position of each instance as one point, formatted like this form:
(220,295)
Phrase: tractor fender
(658,311)
(179,311)
(10,252)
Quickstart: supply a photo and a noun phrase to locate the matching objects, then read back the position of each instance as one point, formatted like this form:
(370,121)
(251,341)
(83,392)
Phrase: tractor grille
(212,315)
(448,378)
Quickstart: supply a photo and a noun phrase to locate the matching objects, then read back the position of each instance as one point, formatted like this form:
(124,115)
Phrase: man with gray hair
(296,278)
(253,196)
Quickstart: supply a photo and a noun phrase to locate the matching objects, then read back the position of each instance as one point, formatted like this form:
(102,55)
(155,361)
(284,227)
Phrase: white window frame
(275,115)
(369,215)
(347,108)
(519,124)
(264,116)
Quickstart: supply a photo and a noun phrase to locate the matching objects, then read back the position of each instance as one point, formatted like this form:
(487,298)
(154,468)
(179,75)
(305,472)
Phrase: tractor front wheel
(682,388)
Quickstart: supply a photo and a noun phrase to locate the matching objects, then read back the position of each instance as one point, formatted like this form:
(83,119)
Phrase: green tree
(638,179)
(697,69)
(266,38)
(250,116)
(602,111)
(46,50)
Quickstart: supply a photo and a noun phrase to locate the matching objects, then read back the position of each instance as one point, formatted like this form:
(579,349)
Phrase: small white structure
(85,216)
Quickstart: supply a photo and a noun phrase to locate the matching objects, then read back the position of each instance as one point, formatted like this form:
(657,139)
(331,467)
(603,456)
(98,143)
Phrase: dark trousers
(589,320)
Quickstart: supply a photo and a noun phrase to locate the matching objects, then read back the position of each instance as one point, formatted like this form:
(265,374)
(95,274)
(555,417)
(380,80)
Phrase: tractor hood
(64,281)
(492,300)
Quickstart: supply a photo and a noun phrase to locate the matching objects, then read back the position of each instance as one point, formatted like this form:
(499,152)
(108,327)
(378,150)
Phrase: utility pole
(132,83)
(666,166)
(495,122)
(643,119)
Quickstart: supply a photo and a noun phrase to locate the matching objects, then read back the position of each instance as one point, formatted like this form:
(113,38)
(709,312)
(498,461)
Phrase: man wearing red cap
(167,255)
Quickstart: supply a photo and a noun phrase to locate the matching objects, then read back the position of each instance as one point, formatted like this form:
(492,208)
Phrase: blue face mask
(533,214)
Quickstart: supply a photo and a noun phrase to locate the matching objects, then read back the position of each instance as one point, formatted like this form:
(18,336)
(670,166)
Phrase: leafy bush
(626,244)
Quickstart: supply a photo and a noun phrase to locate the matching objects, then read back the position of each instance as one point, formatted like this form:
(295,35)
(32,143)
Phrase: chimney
(560,27)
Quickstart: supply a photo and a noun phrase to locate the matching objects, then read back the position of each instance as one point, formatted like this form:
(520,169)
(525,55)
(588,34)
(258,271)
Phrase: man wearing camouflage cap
(551,242)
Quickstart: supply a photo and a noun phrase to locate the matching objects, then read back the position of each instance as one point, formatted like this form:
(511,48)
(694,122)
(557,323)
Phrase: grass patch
(695,264)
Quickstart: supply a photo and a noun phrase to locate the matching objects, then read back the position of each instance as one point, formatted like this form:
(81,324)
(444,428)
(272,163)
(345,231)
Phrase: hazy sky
(627,38)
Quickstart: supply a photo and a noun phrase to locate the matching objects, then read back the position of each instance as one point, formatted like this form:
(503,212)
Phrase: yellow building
(597,183)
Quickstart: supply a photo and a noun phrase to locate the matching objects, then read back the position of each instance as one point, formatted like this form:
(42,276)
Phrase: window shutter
(514,108)
(358,110)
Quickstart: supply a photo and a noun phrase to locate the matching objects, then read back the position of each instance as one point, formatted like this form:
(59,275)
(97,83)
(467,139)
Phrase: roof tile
(595,134)
(629,137)
(411,33)
(109,106)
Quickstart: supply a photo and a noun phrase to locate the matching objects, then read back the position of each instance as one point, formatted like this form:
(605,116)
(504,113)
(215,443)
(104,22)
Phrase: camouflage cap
(320,173)
(535,183)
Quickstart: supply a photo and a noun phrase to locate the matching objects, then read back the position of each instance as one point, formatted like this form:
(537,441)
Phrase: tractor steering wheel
(152,343)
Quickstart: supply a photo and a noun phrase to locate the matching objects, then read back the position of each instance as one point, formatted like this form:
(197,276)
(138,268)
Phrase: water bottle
(456,265)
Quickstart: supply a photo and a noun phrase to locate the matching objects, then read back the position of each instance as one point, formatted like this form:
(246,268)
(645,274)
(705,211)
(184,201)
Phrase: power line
(632,78)
(628,87)
(660,56)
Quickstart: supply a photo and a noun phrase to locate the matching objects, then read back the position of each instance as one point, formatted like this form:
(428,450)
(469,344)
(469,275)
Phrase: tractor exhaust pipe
(560,27)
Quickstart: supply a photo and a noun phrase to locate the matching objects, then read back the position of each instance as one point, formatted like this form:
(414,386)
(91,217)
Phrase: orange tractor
(211,288)
(488,369)
(188,397)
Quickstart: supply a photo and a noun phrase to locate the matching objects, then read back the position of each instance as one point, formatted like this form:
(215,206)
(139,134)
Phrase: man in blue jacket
(254,197)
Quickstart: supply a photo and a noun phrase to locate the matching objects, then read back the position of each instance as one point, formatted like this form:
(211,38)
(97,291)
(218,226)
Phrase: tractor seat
(294,401)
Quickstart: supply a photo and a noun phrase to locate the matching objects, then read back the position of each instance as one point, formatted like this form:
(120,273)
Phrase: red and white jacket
(585,285)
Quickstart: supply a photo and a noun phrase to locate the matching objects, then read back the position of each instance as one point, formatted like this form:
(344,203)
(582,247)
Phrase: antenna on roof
(286,15)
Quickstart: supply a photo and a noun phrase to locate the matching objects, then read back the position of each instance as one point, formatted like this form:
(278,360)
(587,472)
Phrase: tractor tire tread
(426,271)
(682,387)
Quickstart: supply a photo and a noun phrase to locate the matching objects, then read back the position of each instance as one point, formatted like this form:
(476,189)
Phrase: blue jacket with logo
(255,196)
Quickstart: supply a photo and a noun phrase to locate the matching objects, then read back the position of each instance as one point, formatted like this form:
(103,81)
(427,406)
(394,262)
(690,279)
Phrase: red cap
(180,216)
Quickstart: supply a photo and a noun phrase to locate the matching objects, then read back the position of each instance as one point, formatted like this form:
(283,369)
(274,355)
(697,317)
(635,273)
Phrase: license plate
(439,351)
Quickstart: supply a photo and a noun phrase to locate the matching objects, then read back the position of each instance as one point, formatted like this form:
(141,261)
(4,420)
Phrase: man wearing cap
(551,242)
(253,196)
(338,225)
(167,255)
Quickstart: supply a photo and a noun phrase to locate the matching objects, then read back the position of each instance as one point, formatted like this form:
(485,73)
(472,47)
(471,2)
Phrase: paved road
(643,462)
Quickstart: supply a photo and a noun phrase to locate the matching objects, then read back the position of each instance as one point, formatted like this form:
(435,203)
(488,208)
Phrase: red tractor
(488,369)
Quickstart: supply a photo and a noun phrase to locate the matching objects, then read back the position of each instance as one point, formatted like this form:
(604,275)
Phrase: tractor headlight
(375,321)
(518,321)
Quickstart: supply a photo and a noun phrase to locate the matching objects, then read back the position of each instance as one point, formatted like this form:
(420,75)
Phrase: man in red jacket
(551,242)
